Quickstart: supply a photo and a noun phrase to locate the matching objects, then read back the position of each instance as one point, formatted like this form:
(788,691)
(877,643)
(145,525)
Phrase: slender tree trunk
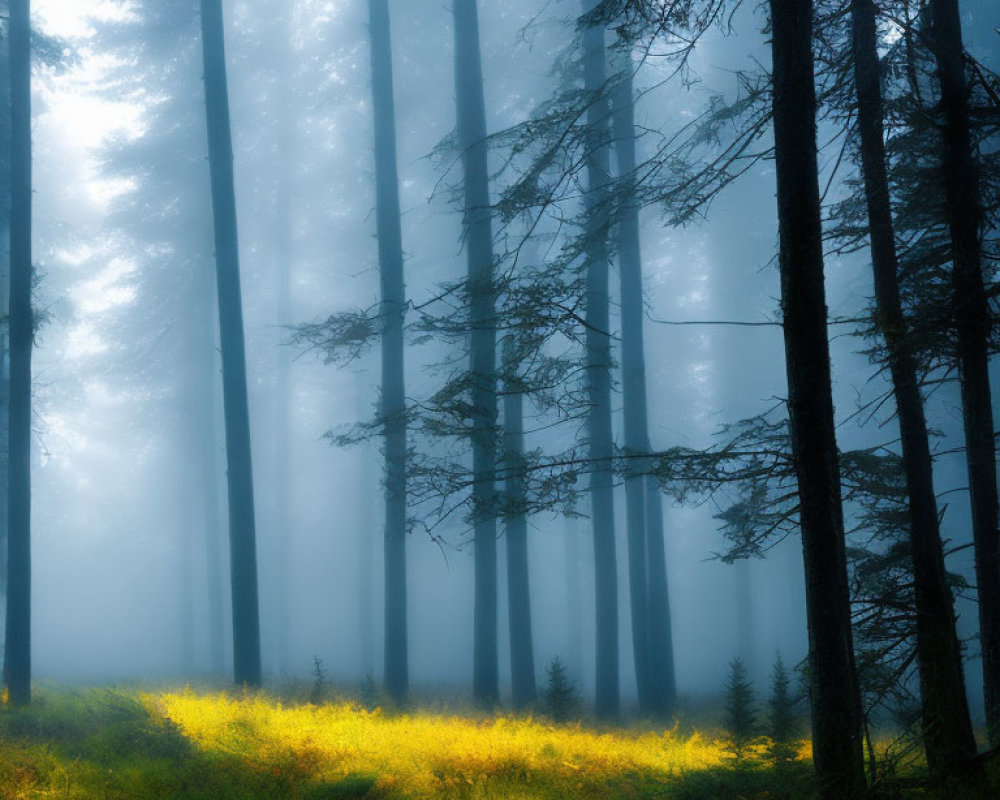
(17,661)
(651,631)
(834,697)
(390,249)
(283,406)
(242,535)
(963,197)
(205,475)
(574,604)
(661,638)
(522,654)
(633,382)
(367,526)
(5,137)
(478,222)
(947,727)
(598,339)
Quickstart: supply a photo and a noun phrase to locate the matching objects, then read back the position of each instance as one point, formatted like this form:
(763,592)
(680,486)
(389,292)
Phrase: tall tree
(964,207)
(17,651)
(947,727)
(834,697)
(393,310)
(5,133)
(598,366)
(471,108)
(242,535)
(651,631)
(522,654)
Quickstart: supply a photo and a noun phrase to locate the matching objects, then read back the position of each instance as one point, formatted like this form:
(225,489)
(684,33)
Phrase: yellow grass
(422,754)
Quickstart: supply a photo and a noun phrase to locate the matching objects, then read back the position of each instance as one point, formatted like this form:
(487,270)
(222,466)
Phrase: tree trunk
(834,697)
(661,639)
(393,411)
(947,727)
(284,407)
(633,382)
(972,322)
(478,223)
(242,536)
(651,632)
(17,661)
(5,137)
(522,654)
(598,339)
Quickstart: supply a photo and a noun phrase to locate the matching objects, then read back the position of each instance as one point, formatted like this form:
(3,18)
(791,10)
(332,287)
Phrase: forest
(539,400)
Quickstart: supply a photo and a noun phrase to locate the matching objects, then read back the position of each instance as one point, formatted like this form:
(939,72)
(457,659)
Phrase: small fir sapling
(318,690)
(560,696)
(741,715)
(781,721)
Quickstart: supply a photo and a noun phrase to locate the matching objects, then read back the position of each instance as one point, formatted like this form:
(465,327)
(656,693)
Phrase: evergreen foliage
(561,697)
(741,711)
(781,720)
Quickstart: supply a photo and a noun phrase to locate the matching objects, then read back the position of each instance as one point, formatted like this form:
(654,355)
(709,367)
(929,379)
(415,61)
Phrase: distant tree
(560,696)
(242,536)
(17,649)
(835,699)
(393,310)
(598,365)
(648,593)
(741,710)
(482,377)
(781,719)
(522,655)
(5,188)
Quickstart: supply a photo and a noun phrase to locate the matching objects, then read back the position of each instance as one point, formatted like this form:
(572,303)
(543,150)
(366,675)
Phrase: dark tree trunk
(596,200)
(478,224)
(242,536)
(522,654)
(393,411)
(17,661)
(972,322)
(834,698)
(947,728)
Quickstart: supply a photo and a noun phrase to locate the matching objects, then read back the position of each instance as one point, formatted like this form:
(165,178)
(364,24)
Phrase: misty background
(124,538)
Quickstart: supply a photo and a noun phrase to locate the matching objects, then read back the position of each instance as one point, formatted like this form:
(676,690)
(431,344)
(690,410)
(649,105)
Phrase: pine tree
(781,719)
(560,696)
(741,713)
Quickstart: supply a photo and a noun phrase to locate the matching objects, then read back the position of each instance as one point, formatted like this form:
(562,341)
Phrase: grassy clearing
(121,744)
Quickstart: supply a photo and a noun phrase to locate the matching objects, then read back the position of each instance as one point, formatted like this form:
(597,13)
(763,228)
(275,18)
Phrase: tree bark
(947,728)
(17,661)
(471,109)
(598,370)
(834,697)
(393,310)
(963,199)
(242,534)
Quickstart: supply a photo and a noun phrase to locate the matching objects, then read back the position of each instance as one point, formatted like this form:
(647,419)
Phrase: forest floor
(122,744)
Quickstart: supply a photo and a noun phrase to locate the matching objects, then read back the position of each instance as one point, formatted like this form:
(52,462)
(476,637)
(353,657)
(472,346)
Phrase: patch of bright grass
(123,745)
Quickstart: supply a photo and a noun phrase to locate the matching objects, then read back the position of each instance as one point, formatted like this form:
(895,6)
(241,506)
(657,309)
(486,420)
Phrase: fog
(129,531)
